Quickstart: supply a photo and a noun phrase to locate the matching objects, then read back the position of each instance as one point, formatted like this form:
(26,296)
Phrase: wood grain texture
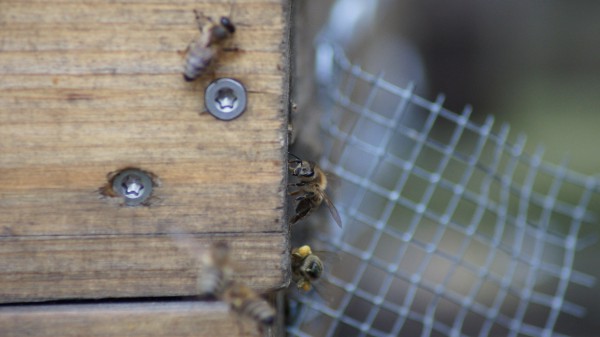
(173,319)
(90,87)
(128,265)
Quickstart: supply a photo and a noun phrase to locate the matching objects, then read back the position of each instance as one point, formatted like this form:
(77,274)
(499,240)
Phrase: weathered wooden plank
(108,40)
(159,319)
(90,87)
(129,63)
(101,266)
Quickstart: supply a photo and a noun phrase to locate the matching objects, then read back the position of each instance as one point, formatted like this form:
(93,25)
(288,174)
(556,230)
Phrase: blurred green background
(535,65)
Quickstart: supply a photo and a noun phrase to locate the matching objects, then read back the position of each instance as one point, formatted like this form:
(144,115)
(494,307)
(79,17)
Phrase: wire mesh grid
(450,227)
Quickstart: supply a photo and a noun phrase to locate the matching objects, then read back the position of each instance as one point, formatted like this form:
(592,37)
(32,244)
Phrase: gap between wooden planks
(90,87)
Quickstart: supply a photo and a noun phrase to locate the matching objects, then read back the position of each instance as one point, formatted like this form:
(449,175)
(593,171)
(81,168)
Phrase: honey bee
(248,302)
(216,280)
(216,272)
(311,189)
(306,267)
(205,48)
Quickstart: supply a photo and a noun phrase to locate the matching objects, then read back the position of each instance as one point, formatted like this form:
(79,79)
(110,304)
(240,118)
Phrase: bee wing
(186,243)
(320,290)
(332,209)
(215,254)
(332,179)
(328,257)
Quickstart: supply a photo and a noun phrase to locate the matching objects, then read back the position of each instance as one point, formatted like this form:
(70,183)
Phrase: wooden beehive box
(91,87)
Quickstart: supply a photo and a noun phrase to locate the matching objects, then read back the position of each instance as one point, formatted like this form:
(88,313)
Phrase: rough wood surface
(127,265)
(90,87)
(176,319)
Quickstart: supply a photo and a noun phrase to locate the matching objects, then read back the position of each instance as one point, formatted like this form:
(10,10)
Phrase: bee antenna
(231,3)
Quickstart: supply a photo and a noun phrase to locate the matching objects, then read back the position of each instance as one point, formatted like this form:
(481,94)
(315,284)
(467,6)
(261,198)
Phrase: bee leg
(296,192)
(231,49)
(211,73)
(308,195)
(187,49)
(201,19)
(295,263)
(240,324)
(260,331)
(306,287)
(303,209)
(299,216)
(198,19)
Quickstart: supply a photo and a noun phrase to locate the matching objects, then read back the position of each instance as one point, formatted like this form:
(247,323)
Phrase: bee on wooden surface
(216,272)
(204,49)
(249,303)
(311,189)
(306,267)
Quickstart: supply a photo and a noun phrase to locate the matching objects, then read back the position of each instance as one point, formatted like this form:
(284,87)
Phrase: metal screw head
(134,185)
(225,98)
